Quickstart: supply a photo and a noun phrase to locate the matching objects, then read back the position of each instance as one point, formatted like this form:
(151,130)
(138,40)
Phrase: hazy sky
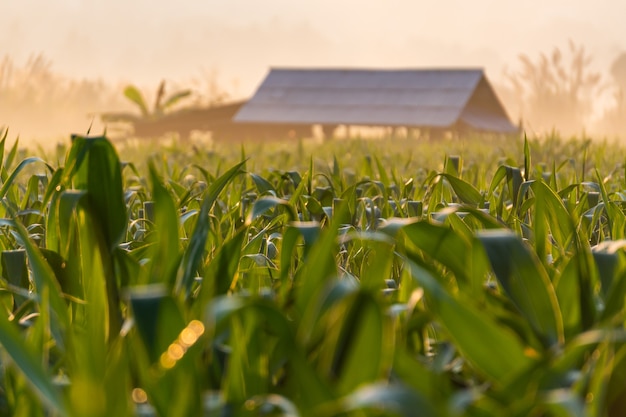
(142,41)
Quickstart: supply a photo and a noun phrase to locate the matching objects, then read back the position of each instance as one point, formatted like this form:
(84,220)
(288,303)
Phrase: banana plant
(162,104)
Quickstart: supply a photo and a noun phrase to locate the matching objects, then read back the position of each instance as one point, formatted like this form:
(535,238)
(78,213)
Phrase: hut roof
(439,98)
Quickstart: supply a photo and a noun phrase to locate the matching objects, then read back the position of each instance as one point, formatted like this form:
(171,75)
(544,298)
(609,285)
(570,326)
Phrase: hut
(433,101)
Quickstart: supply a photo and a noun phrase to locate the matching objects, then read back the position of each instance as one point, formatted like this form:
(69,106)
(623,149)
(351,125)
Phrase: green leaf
(312,390)
(564,403)
(132,93)
(362,344)
(264,204)
(221,272)
(44,279)
(607,264)
(379,259)
(551,213)
(491,348)
(30,365)
(100,174)
(317,269)
(15,272)
(466,192)
(10,181)
(392,226)
(166,255)
(195,251)
(449,248)
(310,232)
(175,98)
(525,282)
(156,317)
(567,291)
(527,161)
(389,399)
(262,185)
(382,173)
(609,260)
(611,391)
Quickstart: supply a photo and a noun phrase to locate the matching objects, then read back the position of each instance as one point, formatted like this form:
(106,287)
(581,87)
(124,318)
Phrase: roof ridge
(379,69)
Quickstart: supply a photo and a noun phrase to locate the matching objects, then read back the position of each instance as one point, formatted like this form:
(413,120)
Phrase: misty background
(64,61)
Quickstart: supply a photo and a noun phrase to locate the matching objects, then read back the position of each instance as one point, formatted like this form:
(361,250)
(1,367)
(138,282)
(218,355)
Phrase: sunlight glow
(187,337)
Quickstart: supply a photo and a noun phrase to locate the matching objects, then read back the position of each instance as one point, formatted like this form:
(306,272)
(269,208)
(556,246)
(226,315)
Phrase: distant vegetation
(38,102)
(556,90)
(560,90)
(556,93)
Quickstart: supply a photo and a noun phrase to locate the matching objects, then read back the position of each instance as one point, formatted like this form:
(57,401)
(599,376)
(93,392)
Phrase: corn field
(184,287)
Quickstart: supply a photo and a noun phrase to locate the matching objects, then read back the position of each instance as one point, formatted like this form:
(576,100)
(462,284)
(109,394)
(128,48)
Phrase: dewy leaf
(525,282)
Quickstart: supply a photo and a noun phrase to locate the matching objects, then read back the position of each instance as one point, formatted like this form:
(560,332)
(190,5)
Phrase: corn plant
(176,286)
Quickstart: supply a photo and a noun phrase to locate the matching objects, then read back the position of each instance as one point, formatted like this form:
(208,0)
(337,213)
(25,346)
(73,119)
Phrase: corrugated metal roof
(427,98)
